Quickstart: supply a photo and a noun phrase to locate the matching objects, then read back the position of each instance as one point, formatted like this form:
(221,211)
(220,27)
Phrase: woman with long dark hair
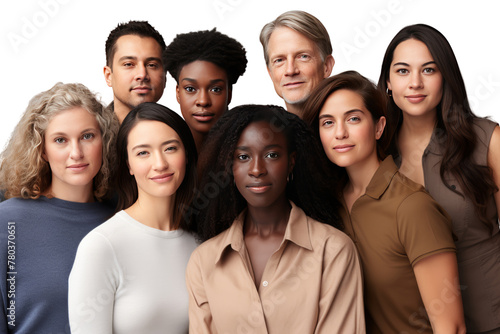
(439,143)
(269,265)
(129,273)
(403,236)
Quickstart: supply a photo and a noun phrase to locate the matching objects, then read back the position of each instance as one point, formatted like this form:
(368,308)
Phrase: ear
(389,85)
(129,170)
(177,96)
(329,63)
(44,156)
(107,76)
(379,127)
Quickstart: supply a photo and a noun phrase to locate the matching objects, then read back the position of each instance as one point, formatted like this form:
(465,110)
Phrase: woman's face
(73,149)
(203,94)
(415,80)
(347,130)
(156,158)
(261,165)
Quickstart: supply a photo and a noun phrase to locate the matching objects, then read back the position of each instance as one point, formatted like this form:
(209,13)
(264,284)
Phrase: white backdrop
(46,41)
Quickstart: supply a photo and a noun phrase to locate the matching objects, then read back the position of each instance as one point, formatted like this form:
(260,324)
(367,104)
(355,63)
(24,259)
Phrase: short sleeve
(200,315)
(92,285)
(424,227)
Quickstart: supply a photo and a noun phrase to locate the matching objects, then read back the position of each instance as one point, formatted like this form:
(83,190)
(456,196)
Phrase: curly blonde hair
(23,171)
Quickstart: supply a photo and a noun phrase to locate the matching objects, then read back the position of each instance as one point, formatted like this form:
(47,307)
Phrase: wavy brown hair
(23,171)
(454,118)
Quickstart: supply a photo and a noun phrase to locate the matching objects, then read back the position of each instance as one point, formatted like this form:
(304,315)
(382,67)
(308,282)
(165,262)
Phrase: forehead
(150,132)
(285,40)
(73,119)
(260,134)
(136,46)
(341,101)
(201,69)
(411,49)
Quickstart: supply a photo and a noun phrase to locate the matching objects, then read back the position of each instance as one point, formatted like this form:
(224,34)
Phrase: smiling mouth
(415,98)
(162,178)
(343,148)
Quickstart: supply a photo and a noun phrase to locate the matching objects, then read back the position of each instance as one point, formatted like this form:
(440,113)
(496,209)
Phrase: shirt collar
(297,231)
(382,178)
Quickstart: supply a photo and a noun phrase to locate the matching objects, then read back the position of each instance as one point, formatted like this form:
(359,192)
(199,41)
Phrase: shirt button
(265,283)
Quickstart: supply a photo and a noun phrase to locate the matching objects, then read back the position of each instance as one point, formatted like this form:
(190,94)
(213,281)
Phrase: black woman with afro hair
(266,207)
(205,64)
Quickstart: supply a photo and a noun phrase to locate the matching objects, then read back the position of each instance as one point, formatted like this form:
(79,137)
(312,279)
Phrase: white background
(46,41)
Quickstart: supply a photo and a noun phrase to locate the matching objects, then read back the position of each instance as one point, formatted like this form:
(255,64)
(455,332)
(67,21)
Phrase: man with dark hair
(134,66)
(205,64)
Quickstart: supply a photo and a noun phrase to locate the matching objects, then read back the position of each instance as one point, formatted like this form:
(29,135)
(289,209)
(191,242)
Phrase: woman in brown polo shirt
(403,237)
(441,144)
(269,265)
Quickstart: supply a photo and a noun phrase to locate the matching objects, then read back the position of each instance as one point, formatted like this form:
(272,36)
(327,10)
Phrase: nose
(340,131)
(257,167)
(203,98)
(141,72)
(160,161)
(416,80)
(291,67)
(76,151)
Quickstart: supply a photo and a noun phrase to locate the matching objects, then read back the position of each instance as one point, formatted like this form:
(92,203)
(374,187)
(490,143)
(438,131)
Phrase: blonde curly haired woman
(55,171)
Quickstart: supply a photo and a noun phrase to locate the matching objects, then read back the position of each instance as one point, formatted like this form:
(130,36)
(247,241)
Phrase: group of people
(360,208)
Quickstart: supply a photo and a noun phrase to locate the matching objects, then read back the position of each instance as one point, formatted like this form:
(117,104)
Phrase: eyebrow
(135,58)
(346,113)
(406,64)
(162,144)
(247,148)
(211,81)
(65,134)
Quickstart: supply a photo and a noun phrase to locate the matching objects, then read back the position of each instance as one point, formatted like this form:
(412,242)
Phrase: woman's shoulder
(321,233)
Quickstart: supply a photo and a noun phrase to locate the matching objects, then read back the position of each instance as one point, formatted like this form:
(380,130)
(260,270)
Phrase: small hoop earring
(388,92)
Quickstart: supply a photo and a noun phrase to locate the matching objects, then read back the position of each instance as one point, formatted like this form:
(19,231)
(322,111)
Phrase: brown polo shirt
(394,225)
(311,284)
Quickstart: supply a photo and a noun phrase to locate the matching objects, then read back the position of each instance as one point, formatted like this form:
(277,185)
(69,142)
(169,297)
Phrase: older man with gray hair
(298,55)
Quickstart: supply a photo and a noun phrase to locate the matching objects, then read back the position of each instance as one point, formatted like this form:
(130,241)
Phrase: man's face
(295,65)
(137,74)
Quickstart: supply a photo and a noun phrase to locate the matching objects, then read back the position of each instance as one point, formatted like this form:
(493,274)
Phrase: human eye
(153,65)
(278,61)
(304,56)
(88,136)
(272,155)
(429,70)
(216,89)
(326,123)
(242,157)
(128,64)
(354,119)
(60,140)
(171,148)
(402,71)
(189,89)
(141,153)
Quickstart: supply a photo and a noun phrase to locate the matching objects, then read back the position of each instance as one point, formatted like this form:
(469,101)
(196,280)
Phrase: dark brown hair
(454,117)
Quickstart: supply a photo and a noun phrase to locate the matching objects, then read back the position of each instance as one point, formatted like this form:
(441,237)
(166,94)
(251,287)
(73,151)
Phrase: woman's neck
(360,176)
(269,220)
(155,212)
(199,139)
(79,194)
(418,126)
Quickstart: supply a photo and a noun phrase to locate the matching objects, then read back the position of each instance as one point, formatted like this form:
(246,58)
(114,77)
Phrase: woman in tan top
(403,237)
(270,266)
(441,144)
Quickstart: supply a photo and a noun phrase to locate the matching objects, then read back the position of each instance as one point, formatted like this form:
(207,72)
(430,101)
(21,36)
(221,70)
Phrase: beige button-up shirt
(311,284)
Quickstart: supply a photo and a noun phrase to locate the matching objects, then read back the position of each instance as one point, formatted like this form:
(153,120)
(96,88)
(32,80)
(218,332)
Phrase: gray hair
(302,22)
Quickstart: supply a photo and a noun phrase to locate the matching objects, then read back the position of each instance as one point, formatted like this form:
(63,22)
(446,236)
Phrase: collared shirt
(311,284)
(394,225)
